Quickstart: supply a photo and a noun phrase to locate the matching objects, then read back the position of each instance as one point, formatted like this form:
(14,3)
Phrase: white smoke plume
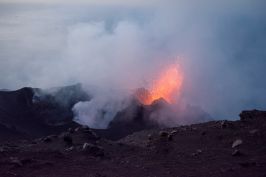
(101,109)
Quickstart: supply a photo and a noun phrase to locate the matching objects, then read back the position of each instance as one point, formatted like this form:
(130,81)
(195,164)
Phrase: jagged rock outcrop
(35,112)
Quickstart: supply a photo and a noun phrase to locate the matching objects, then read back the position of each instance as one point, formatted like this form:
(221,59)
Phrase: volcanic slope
(216,148)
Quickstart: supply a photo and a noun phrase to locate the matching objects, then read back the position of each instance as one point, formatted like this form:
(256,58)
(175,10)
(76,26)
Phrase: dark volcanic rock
(34,112)
(93,149)
(163,134)
(236,152)
(55,105)
(146,153)
(159,114)
(251,115)
(134,118)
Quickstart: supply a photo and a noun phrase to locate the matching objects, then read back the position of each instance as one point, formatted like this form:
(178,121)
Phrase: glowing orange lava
(167,86)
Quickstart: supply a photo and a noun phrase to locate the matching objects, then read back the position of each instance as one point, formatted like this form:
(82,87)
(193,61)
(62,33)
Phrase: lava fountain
(166,86)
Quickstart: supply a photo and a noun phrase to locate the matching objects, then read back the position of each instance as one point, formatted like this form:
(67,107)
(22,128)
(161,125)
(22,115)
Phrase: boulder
(93,149)
(236,152)
(163,134)
(236,143)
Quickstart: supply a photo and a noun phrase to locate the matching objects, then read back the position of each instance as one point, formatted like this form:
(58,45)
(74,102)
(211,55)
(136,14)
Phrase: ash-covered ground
(40,139)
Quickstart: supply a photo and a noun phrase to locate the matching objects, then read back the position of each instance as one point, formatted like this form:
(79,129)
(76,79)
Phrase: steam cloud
(221,44)
(101,109)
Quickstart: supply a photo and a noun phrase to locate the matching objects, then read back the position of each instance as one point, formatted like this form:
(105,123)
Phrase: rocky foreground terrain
(217,148)
(35,143)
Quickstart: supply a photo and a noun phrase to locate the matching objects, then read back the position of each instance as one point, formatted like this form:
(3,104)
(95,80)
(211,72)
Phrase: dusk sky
(220,46)
(104,2)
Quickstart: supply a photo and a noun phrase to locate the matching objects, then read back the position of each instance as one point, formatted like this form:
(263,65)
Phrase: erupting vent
(167,86)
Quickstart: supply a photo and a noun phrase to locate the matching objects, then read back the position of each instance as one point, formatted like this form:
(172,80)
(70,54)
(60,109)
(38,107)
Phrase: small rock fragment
(93,149)
(170,137)
(47,139)
(236,152)
(199,151)
(173,132)
(194,154)
(163,134)
(236,143)
(77,129)
(70,149)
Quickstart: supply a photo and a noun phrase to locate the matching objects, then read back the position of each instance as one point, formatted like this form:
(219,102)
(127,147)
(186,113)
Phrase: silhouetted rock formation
(37,112)
(159,114)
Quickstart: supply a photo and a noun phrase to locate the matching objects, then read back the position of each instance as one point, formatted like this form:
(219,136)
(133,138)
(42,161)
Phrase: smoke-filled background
(118,46)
